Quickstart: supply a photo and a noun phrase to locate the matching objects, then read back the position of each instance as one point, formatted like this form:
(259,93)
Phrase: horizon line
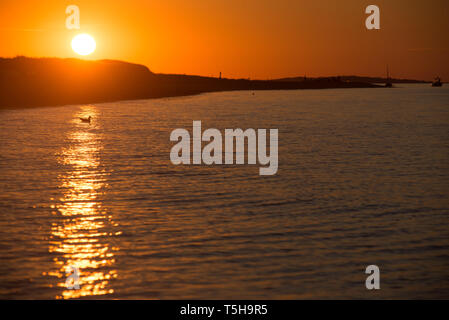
(211,76)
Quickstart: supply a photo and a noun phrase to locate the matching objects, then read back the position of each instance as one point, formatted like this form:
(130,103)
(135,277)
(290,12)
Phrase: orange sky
(241,38)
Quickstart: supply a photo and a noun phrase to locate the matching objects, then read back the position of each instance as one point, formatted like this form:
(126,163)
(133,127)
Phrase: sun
(83,44)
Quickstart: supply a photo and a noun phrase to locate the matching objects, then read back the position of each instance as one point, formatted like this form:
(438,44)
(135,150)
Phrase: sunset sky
(255,39)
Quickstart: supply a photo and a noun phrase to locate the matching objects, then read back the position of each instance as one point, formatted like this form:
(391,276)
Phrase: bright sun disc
(83,44)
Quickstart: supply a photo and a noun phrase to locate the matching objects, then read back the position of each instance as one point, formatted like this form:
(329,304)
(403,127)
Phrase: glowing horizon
(257,39)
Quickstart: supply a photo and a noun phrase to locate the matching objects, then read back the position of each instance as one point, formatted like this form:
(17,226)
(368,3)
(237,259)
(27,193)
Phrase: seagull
(86,119)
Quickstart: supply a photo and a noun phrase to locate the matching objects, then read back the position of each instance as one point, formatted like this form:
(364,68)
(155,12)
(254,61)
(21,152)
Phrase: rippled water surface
(363,179)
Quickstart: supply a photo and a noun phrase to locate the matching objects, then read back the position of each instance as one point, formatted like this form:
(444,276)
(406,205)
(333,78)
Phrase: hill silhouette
(31,82)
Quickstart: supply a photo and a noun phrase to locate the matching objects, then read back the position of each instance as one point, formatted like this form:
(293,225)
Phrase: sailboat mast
(388,83)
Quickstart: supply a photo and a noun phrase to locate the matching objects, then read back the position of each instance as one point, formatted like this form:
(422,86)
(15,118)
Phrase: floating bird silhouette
(86,119)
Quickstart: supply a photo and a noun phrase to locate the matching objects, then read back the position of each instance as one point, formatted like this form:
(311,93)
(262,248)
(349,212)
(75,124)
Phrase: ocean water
(363,179)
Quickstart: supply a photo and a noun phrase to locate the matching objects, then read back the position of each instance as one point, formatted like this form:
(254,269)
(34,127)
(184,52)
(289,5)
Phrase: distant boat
(388,84)
(437,82)
(86,119)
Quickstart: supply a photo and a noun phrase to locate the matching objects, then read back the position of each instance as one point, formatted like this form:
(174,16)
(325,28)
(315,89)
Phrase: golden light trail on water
(82,236)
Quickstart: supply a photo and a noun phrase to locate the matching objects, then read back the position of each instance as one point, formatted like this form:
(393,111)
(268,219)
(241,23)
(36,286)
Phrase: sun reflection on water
(83,236)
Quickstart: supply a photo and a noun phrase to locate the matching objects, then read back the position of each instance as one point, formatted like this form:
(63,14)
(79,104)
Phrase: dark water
(363,179)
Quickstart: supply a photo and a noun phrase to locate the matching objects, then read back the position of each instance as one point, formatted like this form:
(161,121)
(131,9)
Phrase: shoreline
(47,82)
(37,105)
